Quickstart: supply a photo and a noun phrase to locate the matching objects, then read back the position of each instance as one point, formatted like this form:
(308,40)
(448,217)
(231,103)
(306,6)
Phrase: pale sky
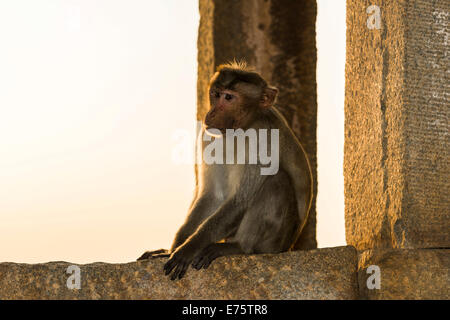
(91,96)
(330,29)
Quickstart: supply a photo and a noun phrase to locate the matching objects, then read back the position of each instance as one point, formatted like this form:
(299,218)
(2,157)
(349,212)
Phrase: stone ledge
(329,273)
(406,274)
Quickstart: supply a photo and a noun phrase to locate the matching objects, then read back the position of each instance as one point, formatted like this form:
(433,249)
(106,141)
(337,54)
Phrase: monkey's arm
(215,228)
(199,210)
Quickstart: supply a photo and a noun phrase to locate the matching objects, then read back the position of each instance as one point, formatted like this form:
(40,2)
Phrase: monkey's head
(236,96)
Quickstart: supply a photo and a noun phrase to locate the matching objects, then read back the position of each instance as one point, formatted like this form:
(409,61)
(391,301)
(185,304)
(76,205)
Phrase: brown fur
(254,213)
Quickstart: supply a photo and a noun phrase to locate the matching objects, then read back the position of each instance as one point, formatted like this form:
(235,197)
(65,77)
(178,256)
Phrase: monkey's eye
(215,94)
(228,96)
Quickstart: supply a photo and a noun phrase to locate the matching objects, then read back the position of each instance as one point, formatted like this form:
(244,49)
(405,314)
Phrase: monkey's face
(236,97)
(228,109)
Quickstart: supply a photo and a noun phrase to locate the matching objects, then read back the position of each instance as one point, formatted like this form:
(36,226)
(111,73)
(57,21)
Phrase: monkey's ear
(268,97)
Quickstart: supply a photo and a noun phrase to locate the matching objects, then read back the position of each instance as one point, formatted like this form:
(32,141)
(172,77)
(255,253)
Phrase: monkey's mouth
(223,129)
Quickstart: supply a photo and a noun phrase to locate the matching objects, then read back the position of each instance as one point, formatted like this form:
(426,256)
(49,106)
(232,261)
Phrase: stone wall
(405,274)
(396,154)
(316,274)
(277,37)
(396,157)
(330,273)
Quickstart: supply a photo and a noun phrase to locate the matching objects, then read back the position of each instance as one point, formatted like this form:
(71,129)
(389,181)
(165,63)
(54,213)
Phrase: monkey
(236,209)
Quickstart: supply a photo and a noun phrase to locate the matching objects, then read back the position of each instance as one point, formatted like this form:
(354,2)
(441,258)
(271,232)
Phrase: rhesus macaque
(237,209)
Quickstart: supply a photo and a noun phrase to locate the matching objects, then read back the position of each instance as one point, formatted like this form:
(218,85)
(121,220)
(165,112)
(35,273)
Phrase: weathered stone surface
(278,39)
(407,273)
(396,155)
(329,273)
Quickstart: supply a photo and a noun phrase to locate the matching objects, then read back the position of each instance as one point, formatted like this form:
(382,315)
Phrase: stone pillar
(396,157)
(277,37)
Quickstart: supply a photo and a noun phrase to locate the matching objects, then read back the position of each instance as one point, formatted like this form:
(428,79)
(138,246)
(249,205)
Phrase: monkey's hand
(161,253)
(179,260)
(207,255)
